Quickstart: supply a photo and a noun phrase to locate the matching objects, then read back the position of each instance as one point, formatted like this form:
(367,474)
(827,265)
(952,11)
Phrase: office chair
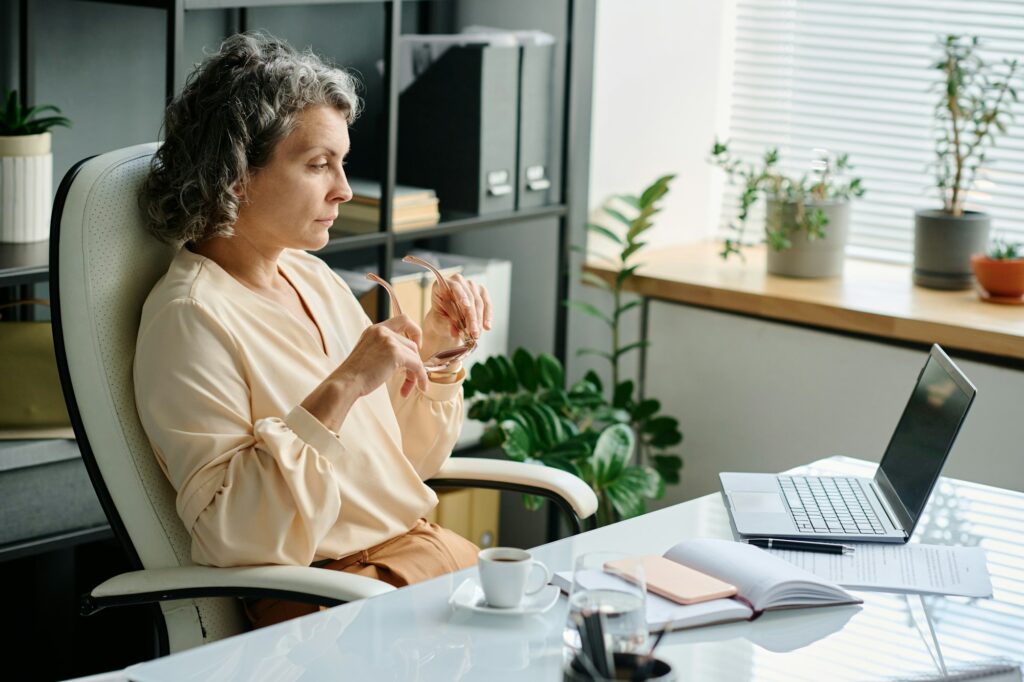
(103,264)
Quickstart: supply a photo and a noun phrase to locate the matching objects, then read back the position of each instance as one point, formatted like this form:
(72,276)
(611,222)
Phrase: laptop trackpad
(758,503)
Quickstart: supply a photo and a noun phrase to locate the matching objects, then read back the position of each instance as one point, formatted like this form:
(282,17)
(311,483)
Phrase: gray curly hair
(234,109)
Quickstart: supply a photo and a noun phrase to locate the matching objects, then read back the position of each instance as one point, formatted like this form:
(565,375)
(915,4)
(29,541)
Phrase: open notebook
(764,583)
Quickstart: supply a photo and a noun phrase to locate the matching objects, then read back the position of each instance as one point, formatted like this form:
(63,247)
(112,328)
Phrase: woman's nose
(341,191)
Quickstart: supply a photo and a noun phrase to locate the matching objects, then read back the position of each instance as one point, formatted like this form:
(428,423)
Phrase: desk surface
(413,634)
(872,298)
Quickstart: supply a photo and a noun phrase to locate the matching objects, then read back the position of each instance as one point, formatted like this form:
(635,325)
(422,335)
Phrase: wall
(661,74)
(763,396)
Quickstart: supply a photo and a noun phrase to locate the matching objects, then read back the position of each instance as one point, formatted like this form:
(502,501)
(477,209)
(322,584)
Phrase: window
(856,77)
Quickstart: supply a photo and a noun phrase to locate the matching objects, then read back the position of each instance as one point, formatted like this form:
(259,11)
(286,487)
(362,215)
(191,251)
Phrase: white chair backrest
(106,265)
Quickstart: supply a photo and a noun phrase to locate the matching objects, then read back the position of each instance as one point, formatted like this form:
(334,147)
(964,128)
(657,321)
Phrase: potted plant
(806,219)
(1000,272)
(26,169)
(973,107)
(613,440)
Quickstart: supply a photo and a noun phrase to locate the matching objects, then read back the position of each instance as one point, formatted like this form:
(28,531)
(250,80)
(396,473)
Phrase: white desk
(413,635)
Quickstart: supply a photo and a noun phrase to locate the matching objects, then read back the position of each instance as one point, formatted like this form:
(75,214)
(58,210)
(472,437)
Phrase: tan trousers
(425,552)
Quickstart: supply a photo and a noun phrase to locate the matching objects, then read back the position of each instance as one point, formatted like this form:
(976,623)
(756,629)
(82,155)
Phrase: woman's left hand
(468,304)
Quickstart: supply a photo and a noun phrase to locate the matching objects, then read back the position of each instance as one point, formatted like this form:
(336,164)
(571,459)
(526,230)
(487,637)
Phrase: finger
(466,305)
(415,372)
(406,328)
(488,315)
(407,385)
(478,302)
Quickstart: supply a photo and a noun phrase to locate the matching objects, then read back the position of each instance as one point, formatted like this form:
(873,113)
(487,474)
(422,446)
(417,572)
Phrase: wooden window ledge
(871,298)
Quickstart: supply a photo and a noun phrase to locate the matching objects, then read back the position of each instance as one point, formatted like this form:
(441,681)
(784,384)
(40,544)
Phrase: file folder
(457,129)
(535,184)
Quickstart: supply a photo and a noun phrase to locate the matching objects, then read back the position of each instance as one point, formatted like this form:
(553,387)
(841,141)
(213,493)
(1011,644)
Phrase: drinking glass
(614,585)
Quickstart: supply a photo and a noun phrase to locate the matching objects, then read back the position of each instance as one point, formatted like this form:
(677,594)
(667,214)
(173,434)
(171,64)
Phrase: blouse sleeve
(430,421)
(262,492)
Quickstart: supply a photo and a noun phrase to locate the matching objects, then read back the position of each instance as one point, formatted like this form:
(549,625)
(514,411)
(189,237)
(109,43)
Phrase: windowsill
(872,298)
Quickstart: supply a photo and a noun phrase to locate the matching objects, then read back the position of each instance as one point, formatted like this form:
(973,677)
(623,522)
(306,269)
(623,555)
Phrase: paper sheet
(922,569)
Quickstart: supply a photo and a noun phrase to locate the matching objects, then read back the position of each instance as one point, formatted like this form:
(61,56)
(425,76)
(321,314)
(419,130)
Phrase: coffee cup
(503,575)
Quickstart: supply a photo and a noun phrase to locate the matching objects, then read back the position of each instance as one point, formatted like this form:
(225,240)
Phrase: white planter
(26,178)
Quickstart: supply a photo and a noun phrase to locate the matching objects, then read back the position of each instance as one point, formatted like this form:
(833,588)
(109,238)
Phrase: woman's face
(293,200)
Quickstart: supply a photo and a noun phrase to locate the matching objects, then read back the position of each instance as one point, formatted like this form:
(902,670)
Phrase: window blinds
(855,77)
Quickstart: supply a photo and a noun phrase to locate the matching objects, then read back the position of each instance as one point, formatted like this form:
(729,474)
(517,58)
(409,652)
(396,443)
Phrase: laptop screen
(925,435)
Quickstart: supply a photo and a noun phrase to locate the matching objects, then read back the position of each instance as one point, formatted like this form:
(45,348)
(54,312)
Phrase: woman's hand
(381,350)
(468,307)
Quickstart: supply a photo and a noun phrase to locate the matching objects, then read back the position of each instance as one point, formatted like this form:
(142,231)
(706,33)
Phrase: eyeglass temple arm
(396,308)
(440,280)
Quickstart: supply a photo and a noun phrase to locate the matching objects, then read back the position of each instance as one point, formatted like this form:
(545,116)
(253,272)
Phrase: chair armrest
(295,583)
(576,496)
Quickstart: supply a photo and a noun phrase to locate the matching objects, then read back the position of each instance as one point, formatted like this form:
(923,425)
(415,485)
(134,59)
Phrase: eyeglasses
(441,359)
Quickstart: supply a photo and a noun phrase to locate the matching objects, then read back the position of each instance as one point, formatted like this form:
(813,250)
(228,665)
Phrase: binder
(536,185)
(457,129)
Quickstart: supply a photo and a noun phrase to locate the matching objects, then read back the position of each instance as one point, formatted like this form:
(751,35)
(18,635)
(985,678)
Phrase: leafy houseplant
(26,169)
(1000,272)
(807,218)
(613,441)
(973,107)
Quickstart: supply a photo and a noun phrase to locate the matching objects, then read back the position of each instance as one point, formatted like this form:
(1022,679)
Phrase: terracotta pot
(999,277)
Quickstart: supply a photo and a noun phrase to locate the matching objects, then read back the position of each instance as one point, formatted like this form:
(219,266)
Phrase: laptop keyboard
(826,504)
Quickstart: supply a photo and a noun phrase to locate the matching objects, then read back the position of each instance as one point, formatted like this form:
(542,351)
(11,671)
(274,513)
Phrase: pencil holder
(626,666)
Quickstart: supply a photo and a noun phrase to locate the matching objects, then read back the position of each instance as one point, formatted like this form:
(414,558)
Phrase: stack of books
(412,208)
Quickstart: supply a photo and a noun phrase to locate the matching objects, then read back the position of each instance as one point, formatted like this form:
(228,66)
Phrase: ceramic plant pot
(999,278)
(943,246)
(26,178)
(820,257)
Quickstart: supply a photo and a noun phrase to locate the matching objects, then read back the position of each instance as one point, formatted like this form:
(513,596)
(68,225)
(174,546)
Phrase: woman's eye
(320,166)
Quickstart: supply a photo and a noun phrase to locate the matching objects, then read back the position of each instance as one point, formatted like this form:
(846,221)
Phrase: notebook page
(763,579)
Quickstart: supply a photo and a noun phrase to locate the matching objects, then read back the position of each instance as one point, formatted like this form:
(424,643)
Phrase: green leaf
(604,232)
(550,370)
(668,466)
(593,351)
(662,424)
(481,378)
(589,309)
(595,280)
(645,409)
(632,346)
(627,307)
(623,394)
(592,377)
(625,274)
(630,199)
(517,444)
(656,190)
(526,369)
(618,216)
(626,493)
(492,437)
(613,449)
(631,249)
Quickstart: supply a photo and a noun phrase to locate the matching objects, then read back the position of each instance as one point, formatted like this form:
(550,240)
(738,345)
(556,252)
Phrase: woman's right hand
(383,349)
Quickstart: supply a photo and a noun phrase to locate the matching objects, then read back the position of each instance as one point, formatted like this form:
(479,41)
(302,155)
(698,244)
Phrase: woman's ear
(238,190)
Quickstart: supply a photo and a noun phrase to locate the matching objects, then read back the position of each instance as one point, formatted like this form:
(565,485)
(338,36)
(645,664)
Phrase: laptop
(883,509)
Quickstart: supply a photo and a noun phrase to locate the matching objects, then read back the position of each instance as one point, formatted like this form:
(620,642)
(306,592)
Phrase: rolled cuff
(312,431)
(439,392)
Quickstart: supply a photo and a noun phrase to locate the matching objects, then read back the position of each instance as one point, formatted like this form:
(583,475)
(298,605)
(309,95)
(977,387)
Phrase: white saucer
(470,596)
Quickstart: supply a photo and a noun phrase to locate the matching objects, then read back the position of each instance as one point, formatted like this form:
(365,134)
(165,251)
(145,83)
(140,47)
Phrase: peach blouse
(219,375)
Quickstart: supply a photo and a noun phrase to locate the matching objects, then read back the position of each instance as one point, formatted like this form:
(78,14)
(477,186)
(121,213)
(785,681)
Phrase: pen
(800,545)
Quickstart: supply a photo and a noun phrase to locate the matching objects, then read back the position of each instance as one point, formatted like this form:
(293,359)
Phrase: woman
(293,430)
